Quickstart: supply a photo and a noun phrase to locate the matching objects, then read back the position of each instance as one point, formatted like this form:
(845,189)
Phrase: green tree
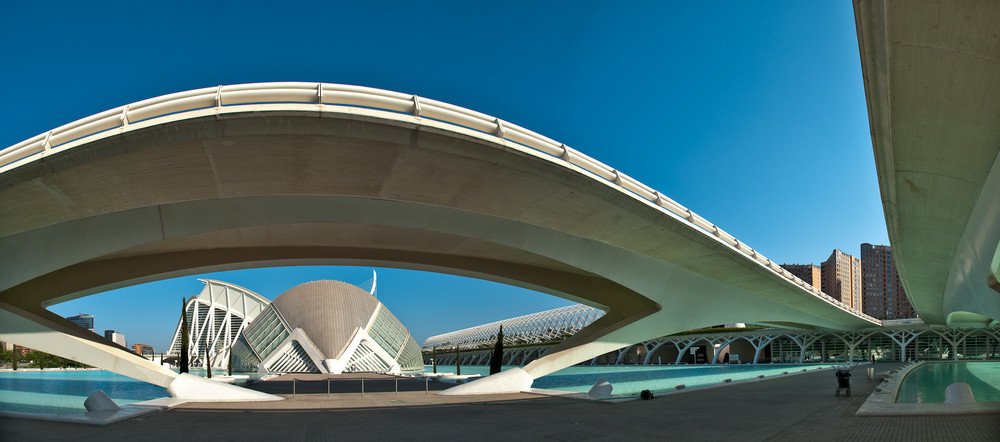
(230,360)
(184,338)
(208,364)
(13,357)
(434,358)
(458,360)
(497,359)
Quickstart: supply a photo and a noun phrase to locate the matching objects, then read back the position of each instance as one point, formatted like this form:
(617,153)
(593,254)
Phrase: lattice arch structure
(547,326)
(216,317)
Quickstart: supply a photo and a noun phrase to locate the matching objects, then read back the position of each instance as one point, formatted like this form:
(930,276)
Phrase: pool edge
(882,400)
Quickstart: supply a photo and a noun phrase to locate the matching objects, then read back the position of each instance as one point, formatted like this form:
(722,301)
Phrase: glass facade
(394,338)
(388,332)
(83,320)
(244,359)
(266,332)
(410,358)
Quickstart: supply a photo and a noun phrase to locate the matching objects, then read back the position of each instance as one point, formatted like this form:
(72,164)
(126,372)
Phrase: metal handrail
(329,97)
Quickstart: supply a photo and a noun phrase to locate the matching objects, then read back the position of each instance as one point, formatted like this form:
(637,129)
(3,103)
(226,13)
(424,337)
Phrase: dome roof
(328,311)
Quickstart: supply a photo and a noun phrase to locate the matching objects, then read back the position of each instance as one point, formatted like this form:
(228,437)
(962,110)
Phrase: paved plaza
(800,407)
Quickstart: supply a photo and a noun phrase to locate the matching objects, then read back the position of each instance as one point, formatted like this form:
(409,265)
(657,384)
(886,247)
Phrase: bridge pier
(51,334)
(608,333)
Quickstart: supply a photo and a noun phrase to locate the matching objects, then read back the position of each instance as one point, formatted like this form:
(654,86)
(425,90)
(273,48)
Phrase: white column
(27,329)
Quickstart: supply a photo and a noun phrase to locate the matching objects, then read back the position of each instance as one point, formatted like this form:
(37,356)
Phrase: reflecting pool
(63,392)
(926,383)
(632,379)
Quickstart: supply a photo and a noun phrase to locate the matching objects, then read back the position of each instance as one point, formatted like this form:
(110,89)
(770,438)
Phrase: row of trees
(36,359)
(496,359)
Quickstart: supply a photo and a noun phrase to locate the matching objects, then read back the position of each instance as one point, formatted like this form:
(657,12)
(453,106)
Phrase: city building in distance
(842,278)
(143,350)
(83,320)
(326,327)
(883,294)
(807,272)
(115,337)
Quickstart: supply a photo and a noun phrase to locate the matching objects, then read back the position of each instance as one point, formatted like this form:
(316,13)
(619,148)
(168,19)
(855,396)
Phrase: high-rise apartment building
(117,338)
(83,320)
(883,296)
(807,272)
(842,278)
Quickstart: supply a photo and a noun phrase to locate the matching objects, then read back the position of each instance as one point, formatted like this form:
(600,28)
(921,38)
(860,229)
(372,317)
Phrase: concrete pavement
(800,407)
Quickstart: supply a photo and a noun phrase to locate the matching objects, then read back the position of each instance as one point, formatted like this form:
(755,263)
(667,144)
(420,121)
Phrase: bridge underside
(931,74)
(259,189)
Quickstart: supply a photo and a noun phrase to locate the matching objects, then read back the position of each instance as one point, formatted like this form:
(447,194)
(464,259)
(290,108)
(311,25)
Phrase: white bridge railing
(330,97)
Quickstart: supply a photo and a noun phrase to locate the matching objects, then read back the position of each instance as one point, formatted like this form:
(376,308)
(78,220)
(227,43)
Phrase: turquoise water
(632,379)
(63,392)
(926,383)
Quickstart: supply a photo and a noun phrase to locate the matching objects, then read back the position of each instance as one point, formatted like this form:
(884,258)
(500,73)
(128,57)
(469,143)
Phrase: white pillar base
(514,380)
(334,366)
(198,389)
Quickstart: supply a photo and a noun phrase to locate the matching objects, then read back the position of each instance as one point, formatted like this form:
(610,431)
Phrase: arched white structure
(296,173)
(547,326)
(216,316)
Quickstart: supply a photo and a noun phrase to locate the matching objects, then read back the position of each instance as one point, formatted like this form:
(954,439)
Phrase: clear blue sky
(751,114)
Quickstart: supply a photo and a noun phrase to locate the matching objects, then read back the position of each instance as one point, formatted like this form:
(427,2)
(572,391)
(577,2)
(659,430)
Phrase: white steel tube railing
(339,95)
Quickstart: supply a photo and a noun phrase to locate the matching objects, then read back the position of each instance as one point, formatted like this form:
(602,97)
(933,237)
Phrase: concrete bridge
(272,174)
(932,80)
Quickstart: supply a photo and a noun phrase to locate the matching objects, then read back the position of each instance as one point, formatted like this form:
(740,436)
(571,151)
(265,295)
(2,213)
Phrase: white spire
(374,283)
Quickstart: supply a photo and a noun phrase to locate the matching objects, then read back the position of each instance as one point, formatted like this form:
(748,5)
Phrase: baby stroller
(843,381)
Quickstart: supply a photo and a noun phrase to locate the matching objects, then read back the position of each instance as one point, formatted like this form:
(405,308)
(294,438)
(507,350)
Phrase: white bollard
(959,393)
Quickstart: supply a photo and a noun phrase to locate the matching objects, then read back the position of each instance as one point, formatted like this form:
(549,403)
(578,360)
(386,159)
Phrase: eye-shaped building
(326,327)
(318,327)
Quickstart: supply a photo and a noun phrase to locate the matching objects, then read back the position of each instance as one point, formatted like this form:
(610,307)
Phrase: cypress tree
(184,338)
(434,358)
(13,357)
(230,361)
(208,364)
(458,360)
(497,358)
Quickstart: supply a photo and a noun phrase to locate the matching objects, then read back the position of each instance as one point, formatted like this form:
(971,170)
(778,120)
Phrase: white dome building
(326,327)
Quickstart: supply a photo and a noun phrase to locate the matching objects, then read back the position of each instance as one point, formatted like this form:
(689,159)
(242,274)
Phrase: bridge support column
(604,335)
(51,335)
(30,330)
